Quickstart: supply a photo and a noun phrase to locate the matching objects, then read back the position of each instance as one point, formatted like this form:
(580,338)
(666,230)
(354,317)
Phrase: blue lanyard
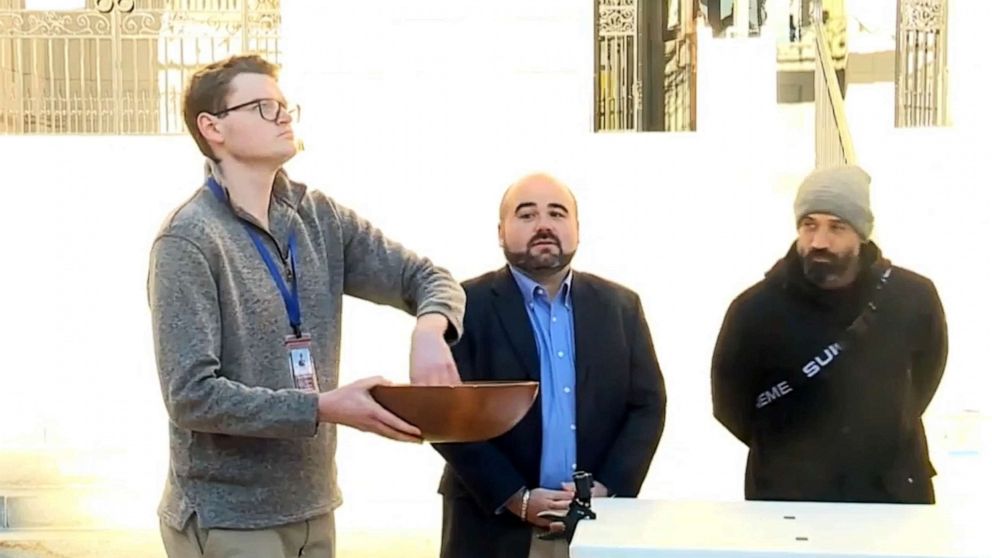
(291,294)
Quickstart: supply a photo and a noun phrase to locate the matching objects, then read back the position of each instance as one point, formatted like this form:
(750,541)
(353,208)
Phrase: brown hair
(210,85)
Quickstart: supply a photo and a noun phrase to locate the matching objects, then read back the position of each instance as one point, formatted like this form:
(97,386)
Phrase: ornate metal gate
(645,60)
(118,66)
(921,63)
(618,79)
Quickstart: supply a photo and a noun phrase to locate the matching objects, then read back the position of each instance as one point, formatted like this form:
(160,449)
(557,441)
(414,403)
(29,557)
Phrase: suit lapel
(586,325)
(508,303)
(587,318)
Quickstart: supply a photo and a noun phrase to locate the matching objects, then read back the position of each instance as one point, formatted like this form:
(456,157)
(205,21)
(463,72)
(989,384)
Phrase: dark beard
(541,264)
(821,272)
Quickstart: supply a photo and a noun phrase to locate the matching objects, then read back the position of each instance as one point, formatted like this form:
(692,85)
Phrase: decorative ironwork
(119,66)
(42,25)
(106,6)
(645,65)
(921,63)
(922,15)
(617,18)
(617,69)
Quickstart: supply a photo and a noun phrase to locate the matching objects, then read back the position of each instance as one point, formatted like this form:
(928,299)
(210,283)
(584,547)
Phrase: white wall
(418,118)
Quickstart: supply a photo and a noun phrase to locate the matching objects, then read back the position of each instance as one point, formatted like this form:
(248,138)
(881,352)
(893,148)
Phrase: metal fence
(119,66)
(645,58)
(619,81)
(921,63)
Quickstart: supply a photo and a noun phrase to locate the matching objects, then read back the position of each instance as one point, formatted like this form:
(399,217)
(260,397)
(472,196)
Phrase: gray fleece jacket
(245,447)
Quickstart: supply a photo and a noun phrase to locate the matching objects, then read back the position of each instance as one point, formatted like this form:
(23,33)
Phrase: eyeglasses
(269,109)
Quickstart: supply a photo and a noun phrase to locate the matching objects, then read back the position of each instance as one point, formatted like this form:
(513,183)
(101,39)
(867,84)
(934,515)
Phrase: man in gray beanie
(824,368)
(836,197)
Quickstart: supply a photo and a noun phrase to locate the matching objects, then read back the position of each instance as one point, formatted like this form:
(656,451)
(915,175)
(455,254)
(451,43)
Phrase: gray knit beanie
(841,191)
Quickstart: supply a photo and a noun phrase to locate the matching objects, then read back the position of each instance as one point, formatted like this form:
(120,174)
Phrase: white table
(650,528)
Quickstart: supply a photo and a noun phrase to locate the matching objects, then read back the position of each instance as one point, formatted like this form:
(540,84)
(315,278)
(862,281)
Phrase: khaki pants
(311,539)
(547,549)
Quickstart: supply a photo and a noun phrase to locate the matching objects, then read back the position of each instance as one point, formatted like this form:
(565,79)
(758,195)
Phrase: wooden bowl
(471,412)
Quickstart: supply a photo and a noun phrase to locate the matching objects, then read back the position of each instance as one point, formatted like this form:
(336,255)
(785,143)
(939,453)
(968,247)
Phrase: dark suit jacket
(620,407)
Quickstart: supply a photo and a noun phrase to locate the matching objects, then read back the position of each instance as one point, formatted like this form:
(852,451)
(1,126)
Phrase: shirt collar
(529,287)
(283,188)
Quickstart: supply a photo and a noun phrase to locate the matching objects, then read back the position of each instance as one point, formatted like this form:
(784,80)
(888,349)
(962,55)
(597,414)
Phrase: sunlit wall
(418,116)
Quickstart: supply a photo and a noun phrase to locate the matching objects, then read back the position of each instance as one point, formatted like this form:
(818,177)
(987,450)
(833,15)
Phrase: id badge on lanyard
(301,362)
(298,344)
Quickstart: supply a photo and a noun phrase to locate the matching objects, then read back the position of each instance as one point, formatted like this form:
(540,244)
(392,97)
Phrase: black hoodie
(853,431)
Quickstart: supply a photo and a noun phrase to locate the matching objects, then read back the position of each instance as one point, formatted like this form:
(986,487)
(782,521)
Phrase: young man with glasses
(245,285)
